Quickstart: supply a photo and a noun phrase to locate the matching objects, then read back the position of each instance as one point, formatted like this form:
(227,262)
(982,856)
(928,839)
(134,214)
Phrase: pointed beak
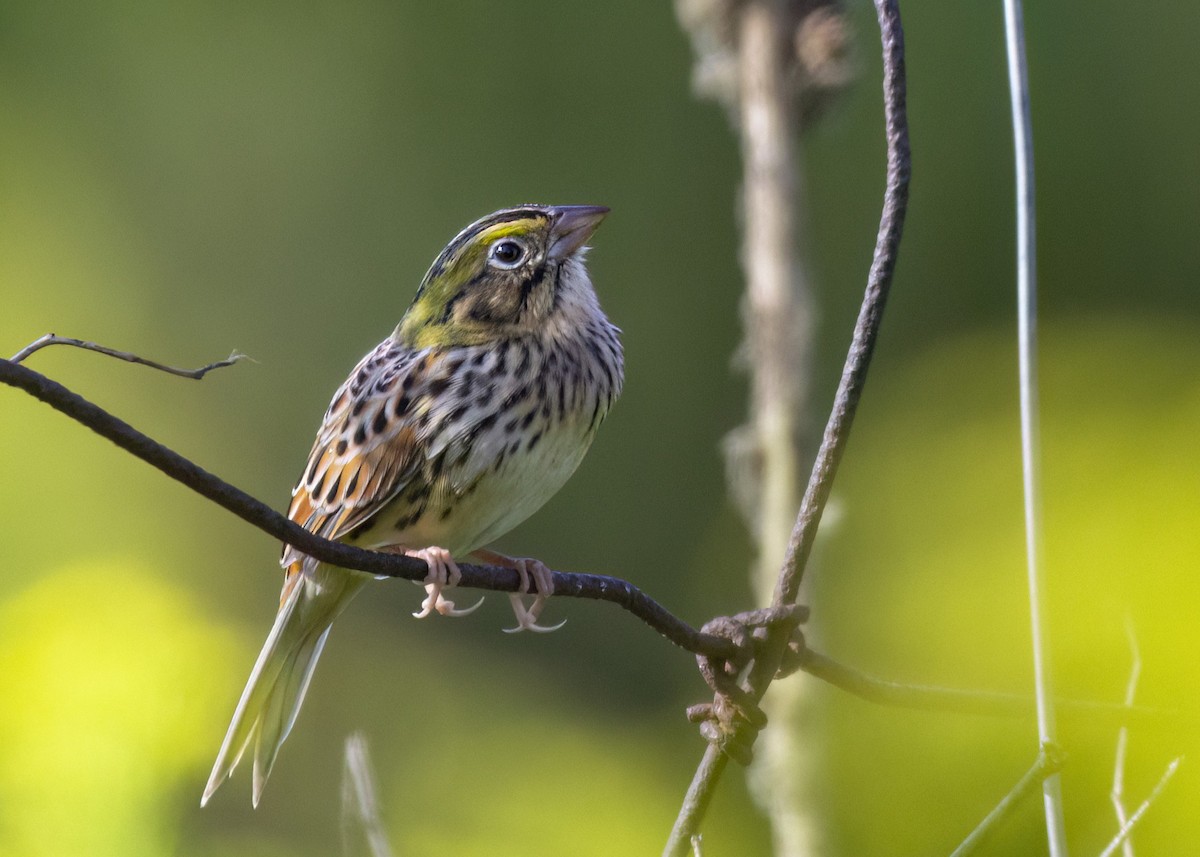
(572,226)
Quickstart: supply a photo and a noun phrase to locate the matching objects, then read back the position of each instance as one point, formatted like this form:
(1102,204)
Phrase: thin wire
(1018,79)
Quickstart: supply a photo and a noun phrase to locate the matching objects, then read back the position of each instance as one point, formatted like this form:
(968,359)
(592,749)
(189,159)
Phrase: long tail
(267,710)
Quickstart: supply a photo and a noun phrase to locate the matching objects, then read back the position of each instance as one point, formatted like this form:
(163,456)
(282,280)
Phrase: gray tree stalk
(769,62)
(778,325)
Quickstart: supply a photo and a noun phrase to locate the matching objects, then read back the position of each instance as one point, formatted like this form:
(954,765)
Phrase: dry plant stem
(55,339)
(771,312)
(836,434)
(1049,762)
(1018,80)
(1127,828)
(361,820)
(1118,786)
(776,326)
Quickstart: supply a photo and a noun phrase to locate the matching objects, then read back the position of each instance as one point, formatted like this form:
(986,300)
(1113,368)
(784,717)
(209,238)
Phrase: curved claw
(447,608)
(527,616)
(543,588)
(443,574)
(531,626)
(426,609)
(443,607)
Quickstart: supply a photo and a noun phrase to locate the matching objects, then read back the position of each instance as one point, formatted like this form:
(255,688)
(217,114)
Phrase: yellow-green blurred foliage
(108,682)
(183,179)
(923,580)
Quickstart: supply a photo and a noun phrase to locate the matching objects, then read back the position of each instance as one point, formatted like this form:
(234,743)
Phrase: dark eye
(508,253)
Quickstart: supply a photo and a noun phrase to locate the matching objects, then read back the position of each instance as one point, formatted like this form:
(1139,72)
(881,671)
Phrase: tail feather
(278,718)
(298,693)
(271,701)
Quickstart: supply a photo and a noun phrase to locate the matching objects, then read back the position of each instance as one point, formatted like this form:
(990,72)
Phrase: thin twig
(1018,80)
(866,330)
(1127,827)
(360,807)
(948,699)
(837,430)
(55,339)
(1049,762)
(1118,786)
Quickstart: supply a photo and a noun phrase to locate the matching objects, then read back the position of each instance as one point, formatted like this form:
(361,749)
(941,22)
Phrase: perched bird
(452,431)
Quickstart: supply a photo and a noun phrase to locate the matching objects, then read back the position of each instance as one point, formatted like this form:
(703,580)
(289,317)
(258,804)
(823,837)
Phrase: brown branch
(591,586)
(594,586)
(836,436)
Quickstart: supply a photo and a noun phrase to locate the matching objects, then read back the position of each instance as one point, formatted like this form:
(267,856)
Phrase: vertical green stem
(1018,77)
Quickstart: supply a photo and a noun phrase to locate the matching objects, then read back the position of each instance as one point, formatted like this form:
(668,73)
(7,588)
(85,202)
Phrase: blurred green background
(186,179)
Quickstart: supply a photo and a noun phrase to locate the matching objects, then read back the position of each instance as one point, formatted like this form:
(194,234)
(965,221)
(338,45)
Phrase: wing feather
(365,453)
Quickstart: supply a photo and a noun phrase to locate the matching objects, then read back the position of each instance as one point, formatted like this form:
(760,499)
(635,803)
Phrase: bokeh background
(185,179)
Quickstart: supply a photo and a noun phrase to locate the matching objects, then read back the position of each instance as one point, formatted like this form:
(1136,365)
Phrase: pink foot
(443,574)
(543,588)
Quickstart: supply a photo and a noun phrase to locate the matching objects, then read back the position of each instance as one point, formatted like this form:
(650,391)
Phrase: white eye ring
(507,253)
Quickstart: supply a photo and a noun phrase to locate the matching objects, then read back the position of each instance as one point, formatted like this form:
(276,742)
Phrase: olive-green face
(499,275)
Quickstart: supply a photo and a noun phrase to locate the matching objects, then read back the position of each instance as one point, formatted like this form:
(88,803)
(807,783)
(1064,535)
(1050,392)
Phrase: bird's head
(502,276)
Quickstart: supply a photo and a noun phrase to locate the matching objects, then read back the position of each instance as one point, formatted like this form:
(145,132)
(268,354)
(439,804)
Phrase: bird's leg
(443,574)
(543,587)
